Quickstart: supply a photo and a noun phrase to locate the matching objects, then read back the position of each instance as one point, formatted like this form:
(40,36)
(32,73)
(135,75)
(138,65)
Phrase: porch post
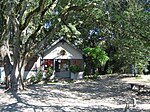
(42,64)
(54,67)
(69,67)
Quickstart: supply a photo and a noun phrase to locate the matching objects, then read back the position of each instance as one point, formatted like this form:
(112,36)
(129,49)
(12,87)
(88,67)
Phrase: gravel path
(108,94)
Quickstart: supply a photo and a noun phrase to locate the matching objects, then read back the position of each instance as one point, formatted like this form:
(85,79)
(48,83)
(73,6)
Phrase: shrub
(32,79)
(49,72)
(75,68)
(39,76)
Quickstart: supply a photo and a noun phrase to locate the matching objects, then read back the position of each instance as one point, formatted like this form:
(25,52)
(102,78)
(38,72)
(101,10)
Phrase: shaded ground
(108,94)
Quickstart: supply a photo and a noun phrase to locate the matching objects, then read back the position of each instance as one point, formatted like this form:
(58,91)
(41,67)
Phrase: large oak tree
(30,25)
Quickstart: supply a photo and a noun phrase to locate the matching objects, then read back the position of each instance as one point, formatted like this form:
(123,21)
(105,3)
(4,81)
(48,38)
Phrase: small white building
(59,56)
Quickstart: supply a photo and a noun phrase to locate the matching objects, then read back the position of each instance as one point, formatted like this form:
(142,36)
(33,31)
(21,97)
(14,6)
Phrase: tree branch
(19,5)
(37,48)
(24,6)
(45,10)
(32,13)
(33,35)
(78,8)
(68,27)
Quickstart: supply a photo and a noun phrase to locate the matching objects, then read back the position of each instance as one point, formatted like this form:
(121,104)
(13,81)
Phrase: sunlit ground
(109,94)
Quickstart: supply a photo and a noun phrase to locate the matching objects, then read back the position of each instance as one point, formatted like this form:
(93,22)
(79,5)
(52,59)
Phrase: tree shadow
(23,105)
(143,93)
(49,94)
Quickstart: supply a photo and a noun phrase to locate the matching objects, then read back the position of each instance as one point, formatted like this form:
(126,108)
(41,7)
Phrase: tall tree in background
(123,32)
(97,56)
(130,30)
(29,25)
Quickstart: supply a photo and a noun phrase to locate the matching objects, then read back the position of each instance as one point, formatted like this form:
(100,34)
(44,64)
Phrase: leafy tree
(97,56)
(131,32)
(29,26)
(124,24)
(23,29)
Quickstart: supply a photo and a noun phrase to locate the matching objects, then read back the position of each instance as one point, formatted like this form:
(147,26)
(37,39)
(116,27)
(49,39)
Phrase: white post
(54,69)
(42,64)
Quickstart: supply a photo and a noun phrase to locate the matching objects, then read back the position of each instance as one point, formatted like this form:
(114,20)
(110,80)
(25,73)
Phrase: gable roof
(62,39)
(52,51)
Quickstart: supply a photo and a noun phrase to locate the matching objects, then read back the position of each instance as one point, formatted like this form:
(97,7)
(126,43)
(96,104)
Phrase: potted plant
(74,69)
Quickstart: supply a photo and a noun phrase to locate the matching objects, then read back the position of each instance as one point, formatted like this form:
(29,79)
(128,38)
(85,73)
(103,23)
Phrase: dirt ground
(108,94)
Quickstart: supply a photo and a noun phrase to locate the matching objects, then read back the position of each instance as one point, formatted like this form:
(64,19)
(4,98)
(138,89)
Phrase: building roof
(54,50)
(62,39)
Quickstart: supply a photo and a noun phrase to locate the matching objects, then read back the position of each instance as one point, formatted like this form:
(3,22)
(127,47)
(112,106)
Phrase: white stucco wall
(28,74)
(2,74)
(38,63)
(71,52)
(52,53)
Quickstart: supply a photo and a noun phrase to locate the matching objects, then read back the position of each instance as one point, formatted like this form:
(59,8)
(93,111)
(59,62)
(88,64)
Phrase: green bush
(95,76)
(32,78)
(109,70)
(39,76)
(75,68)
(49,72)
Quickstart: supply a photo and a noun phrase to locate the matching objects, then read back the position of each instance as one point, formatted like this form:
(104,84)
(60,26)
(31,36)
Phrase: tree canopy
(120,27)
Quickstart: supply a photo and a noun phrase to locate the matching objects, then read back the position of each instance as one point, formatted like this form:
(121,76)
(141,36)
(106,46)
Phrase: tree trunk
(21,74)
(17,75)
(106,67)
(101,70)
(13,78)
(20,80)
(134,70)
(8,70)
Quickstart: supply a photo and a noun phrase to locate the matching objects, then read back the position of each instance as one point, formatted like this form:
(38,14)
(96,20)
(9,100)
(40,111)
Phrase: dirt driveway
(108,94)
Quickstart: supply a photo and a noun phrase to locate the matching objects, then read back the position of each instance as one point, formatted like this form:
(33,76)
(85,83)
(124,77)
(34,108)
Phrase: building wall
(2,74)
(72,56)
(71,53)
(63,74)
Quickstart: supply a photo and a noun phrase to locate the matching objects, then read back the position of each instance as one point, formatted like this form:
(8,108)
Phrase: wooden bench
(138,85)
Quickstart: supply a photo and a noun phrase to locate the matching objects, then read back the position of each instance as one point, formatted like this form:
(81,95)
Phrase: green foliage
(98,55)
(39,76)
(95,76)
(109,70)
(75,68)
(33,79)
(49,72)
(124,24)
